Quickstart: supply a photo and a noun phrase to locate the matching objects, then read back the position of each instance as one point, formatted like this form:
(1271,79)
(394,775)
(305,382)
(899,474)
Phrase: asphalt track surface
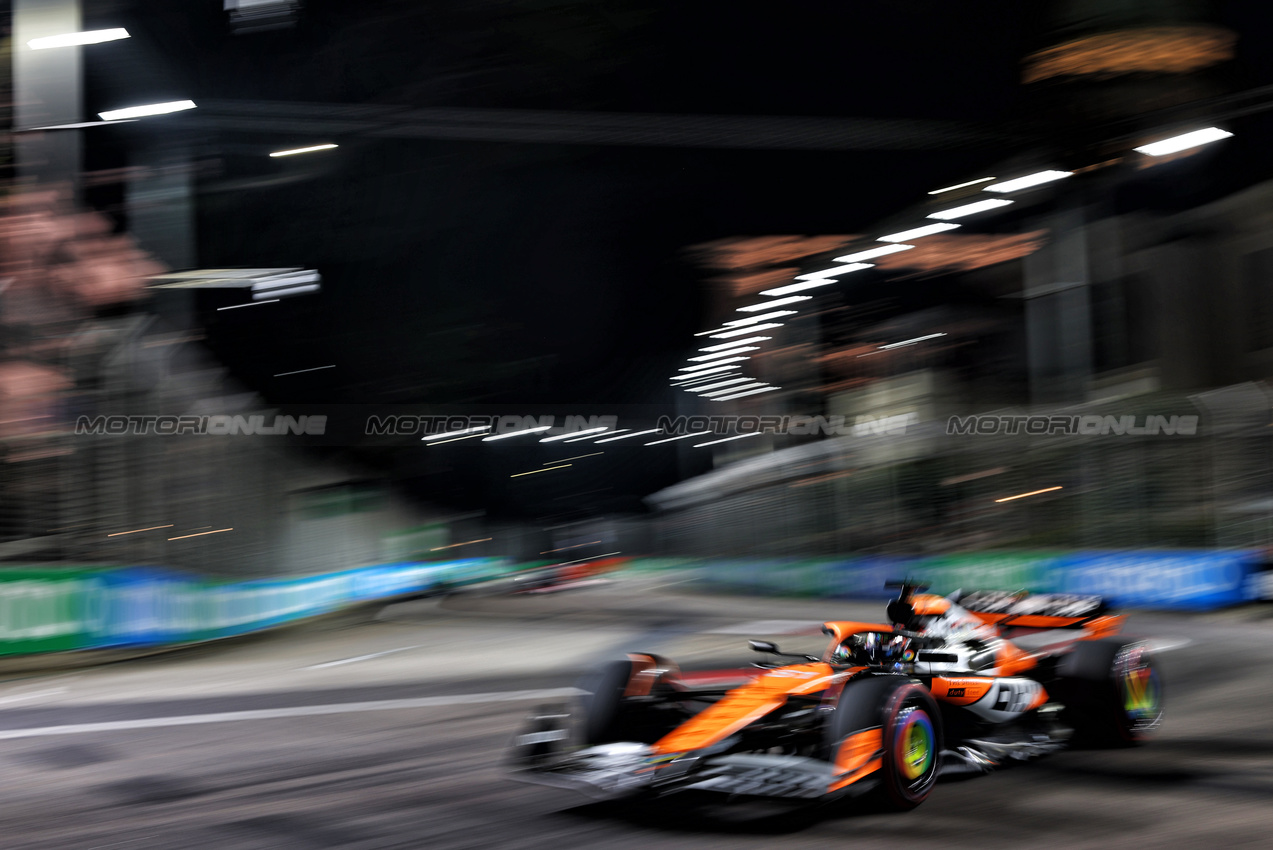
(389,733)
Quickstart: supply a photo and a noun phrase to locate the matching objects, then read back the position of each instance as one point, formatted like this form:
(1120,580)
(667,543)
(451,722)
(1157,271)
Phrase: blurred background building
(510,220)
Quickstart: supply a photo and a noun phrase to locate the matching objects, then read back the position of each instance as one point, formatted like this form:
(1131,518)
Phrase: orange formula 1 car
(956,684)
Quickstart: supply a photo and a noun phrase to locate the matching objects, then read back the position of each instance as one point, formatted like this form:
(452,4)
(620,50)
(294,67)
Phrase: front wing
(610,771)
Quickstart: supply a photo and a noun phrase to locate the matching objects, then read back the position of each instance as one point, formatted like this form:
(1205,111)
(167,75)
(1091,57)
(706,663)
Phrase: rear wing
(1033,611)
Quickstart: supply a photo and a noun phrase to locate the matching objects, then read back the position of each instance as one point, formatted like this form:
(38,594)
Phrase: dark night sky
(488,271)
(531,273)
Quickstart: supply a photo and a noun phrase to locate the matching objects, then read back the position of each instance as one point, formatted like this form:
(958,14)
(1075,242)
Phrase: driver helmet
(873,648)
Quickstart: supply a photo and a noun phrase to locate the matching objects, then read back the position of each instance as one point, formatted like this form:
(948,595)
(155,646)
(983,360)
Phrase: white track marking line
(32,695)
(277,713)
(341,661)
(1167,644)
(769,627)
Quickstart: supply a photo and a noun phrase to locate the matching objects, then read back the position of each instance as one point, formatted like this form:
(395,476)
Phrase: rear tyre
(1113,693)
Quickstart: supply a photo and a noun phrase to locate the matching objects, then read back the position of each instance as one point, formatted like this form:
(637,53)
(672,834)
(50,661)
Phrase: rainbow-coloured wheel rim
(914,745)
(1142,697)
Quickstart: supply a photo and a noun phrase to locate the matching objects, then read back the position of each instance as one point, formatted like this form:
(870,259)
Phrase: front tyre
(885,728)
(912,747)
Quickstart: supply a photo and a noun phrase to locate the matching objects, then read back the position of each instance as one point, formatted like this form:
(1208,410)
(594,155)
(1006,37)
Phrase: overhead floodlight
(752,308)
(72,39)
(1036,179)
(146,110)
(746,329)
(726,353)
(309,149)
(748,341)
(1184,142)
(871,254)
(763,317)
(961,185)
(918,232)
(835,271)
(971,209)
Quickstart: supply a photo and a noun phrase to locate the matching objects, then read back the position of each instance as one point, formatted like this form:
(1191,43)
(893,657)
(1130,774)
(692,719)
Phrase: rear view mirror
(763,646)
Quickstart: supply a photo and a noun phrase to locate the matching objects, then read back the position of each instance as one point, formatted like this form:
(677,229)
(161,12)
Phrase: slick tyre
(1112,691)
(892,717)
(912,747)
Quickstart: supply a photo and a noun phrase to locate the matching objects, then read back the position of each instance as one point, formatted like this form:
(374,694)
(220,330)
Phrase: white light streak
(728,439)
(752,308)
(301,371)
(249,304)
(909,341)
(200,534)
(702,366)
(626,436)
(702,372)
(1184,141)
(719,384)
(454,440)
(834,271)
(748,392)
(138,530)
(474,430)
(720,354)
(797,287)
(1031,493)
(917,233)
(872,253)
(699,377)
(971,209)
(961,185)
(557,437)
(747,341)
(1037,179)
(594,436)
(146,110)
(763,317)
(746,330)
(310,149)
(73,39)
(576,457)
(546,469)
(682,437)
(535,430)
(752,385)
(292,290)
